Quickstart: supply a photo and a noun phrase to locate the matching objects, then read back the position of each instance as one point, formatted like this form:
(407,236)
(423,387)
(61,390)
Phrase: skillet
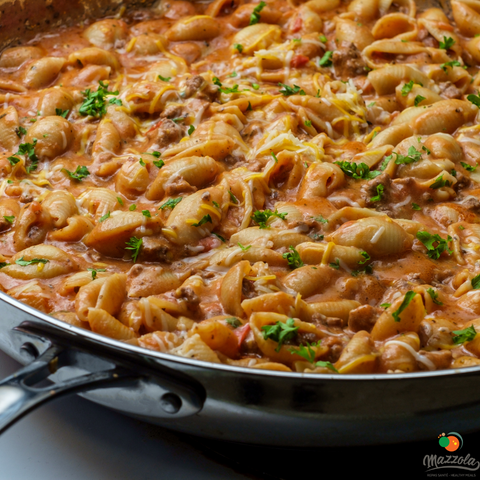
(210,400)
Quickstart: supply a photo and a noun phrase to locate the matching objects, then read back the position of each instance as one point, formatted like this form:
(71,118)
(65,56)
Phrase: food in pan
(272,185)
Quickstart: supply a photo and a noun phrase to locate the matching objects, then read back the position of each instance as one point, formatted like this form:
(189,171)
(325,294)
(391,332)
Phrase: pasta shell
(231,288)
(180,225)
(199,27)
(379,236)
(257,37)
(196,171)
(57,263)
(308,280)
(358,356)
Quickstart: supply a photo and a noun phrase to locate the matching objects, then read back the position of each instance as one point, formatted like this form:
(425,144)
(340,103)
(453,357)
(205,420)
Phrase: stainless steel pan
(216,401)
(231,403)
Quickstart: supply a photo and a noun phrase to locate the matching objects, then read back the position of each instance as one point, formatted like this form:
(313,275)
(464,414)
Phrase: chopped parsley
(360,171)
(416,207)
(132,207)
(234,322)
(134,244)
(440,183)
(469,168)
(233,198)
(366,258)
(107,215)
(412,156)
(434,296)
(255,16)
(20,131)
(171,203)
(407,88)
(191,129)
(475,99)
(326,364)
(238,47)
(435,244)
(293,258)
(261,218)
(385,305)
(79,174)
(326,60)
(305,351)
(418,99)
(335,265)
(94,271)
(9,218)
(465,335)
(244,248)
(164,79)
(159,163)
(406,301)
(219,237)
(379,195)
(320,219)
(205,219)
(146,213)
(61,113)
(287,91)
(448,42)
(308,123)
(27,149)
(323,38)
(95,103)
(280,332)
(476,282)
(453,63)
(25,263)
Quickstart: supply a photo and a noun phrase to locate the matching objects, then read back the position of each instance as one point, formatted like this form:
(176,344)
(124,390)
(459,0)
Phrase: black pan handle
(23,391)
(163,392)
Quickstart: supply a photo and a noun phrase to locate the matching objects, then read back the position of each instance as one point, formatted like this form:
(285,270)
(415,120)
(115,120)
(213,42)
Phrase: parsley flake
(280,332)
(293,258)
(79,174)
(261,218)
(435,244)
(406,301)
(255,16)
(465,335)
(134,244)
(287,90)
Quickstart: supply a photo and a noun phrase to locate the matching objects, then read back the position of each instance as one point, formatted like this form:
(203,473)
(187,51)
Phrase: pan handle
(23,391)
(152,388)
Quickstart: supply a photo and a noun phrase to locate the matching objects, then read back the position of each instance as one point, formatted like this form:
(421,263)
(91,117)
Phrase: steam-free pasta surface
(277,185)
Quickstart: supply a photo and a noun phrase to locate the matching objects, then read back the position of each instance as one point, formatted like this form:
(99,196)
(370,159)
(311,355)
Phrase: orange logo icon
(451,441)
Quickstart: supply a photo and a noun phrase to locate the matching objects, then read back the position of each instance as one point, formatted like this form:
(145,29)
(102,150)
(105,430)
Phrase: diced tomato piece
(297,24)
(241,333)
(299,61)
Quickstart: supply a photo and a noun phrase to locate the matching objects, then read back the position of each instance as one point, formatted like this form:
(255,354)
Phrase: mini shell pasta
(279,185)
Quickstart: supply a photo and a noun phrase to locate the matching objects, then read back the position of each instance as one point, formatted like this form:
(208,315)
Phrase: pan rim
(127,348)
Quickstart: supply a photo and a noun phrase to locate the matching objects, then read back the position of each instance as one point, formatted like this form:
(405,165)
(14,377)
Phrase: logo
(455,465)
(452,441)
